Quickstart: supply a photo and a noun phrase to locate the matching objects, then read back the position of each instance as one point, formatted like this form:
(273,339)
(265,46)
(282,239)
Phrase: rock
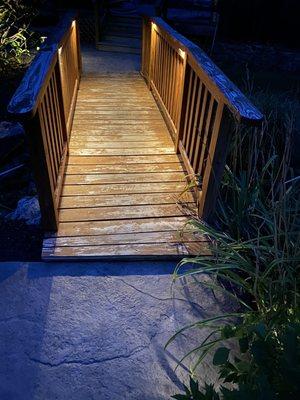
(28,209)
(10,129)
(11,134)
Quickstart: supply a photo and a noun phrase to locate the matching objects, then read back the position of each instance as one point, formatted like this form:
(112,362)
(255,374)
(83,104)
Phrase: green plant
(15,35)
(270,372)
(255,259)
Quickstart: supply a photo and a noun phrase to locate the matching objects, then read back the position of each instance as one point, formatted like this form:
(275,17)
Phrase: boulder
(11,135)
(28,210)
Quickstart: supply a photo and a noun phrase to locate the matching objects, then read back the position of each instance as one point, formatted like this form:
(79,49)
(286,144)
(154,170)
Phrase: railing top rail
(237,102)
(26,98)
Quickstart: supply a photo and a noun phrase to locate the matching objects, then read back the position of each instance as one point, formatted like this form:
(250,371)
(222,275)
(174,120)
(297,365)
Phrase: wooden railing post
(215,163)
(151,52)
(41,163)
(79,58)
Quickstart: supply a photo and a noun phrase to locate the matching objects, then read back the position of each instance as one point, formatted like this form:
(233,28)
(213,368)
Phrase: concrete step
(117,47)
(123,40)
(124,23)
(118,18)
(115,33)
(124,32)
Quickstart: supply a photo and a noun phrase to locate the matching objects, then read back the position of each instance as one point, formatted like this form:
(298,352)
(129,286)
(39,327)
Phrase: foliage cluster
(256,260)
(16,38)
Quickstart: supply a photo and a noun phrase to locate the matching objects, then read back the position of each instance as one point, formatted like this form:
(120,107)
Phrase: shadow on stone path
(95,330)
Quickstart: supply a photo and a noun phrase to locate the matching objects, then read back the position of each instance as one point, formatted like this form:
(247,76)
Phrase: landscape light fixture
(182,53)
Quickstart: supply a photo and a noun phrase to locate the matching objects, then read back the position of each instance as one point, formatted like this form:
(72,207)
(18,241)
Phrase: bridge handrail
(45,103)
(197,100)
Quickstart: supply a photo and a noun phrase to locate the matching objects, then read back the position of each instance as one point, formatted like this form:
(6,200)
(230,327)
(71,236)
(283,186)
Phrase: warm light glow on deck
(154,26)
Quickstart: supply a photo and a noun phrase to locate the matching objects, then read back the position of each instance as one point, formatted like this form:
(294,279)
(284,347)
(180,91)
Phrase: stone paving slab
(96,330)
(103,62)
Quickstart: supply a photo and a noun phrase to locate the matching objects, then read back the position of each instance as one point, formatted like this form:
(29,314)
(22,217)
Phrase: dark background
(274,21)
(261,20)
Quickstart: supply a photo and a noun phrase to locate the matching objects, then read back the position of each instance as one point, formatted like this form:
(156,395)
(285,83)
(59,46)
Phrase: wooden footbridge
(113,153)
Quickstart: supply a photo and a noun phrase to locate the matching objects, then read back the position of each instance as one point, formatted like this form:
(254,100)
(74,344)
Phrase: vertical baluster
(191,113)
(186,107)
(163,69)
(79,59)
(56,127)
(60,104)
(182,80)
(215,162)
(160,66)
(196,119)
(175,85)
(165,72)
(179,88)
(53,137)
(38,145)
(62,136)
(155,58)
(210,124)
(199,125)
(152,61)
(48,119)
(46,137)
(169,55)
(172,77)
(200,131)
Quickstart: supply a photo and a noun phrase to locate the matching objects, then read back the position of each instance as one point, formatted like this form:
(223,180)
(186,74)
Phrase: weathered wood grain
(124,200)
(137,251)
(112,160)
(116,226)
(125,238)
(94,144)
(123,186)
(120,188)
(98,179)
(32,87)
(123,168)
(121,151)
(126,212)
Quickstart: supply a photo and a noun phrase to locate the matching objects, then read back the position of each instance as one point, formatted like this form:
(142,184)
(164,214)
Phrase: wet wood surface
(122,191)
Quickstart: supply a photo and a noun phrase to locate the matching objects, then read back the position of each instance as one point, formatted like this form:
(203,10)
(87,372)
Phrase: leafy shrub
(256,260)
(15,36)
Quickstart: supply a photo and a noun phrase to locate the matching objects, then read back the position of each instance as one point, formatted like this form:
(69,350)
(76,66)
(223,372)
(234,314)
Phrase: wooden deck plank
(99,179)
(123,194)
(156,123)
(124,200)
(127,226)
(104,160)
(127,140)
(93,144)
(121,188)
(120,152)
(127,132)
(123,168)
(133,238)
(125,212)
(136,251)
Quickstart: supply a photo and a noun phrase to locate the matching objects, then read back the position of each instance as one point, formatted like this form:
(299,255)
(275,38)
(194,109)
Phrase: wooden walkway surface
(121,193)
